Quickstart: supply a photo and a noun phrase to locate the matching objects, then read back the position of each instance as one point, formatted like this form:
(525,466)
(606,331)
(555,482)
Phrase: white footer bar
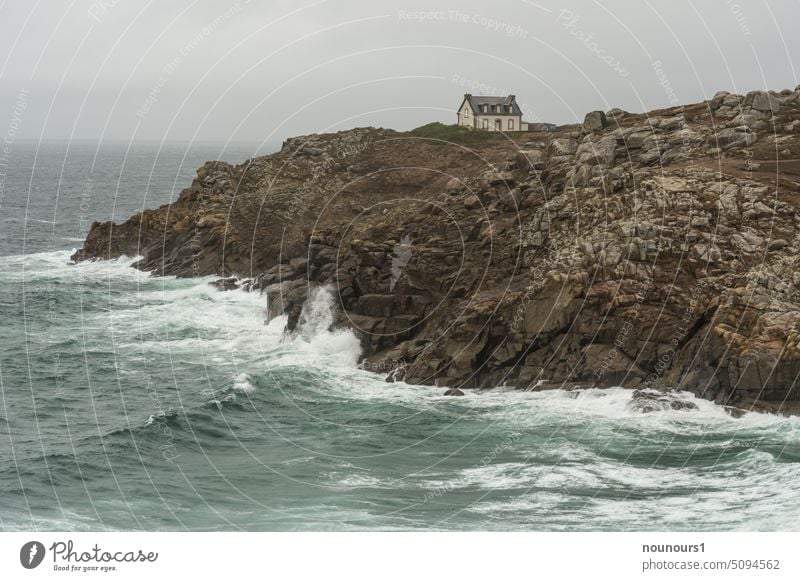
(406,556)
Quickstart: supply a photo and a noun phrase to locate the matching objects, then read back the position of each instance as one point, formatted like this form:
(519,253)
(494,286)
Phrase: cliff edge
(654,250)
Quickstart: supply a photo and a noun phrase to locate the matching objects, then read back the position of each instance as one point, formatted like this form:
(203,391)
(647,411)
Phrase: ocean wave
(144,370)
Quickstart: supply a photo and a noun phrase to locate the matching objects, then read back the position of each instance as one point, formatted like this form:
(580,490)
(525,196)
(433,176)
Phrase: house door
(498,124)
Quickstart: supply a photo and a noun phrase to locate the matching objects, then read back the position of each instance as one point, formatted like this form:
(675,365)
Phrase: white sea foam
(316,343)
(202,324)
(57,265)
(361,481)
(241,382)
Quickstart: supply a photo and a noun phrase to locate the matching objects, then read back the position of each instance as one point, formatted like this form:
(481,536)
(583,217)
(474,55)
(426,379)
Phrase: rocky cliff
(646,250)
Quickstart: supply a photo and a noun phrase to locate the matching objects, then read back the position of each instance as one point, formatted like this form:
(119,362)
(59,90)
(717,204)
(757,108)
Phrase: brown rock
(628,240)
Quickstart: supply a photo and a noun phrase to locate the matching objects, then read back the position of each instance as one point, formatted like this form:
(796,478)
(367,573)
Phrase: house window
(485,108)
(486,124)
(511,125)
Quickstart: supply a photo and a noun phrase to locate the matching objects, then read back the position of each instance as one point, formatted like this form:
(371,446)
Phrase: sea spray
(318,312)
(317,340)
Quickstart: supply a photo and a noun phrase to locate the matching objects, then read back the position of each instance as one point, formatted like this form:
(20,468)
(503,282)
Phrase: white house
(491,113)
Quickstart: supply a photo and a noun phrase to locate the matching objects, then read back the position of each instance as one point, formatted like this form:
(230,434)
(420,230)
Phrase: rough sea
(141,403)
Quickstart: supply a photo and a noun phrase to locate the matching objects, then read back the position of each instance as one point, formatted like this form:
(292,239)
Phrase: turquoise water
(134,402)
(141,403)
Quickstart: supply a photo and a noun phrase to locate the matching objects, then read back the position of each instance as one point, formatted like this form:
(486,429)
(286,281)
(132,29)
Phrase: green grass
(441,133)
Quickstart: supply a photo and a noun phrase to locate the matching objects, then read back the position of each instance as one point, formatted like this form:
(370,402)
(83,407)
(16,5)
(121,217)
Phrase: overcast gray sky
(253,71)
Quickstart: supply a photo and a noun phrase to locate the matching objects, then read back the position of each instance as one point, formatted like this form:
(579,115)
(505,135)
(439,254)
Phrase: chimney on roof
(467,95)
(511,98)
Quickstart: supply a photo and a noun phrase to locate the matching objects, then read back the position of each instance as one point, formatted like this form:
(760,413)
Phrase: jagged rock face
(651,400)
(651,251)
(248,218)
(595,121)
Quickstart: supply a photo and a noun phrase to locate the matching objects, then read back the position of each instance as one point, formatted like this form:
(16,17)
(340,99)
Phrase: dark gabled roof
(476,101)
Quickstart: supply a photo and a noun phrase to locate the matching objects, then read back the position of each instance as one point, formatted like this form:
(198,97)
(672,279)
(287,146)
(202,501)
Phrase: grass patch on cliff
(439,133)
